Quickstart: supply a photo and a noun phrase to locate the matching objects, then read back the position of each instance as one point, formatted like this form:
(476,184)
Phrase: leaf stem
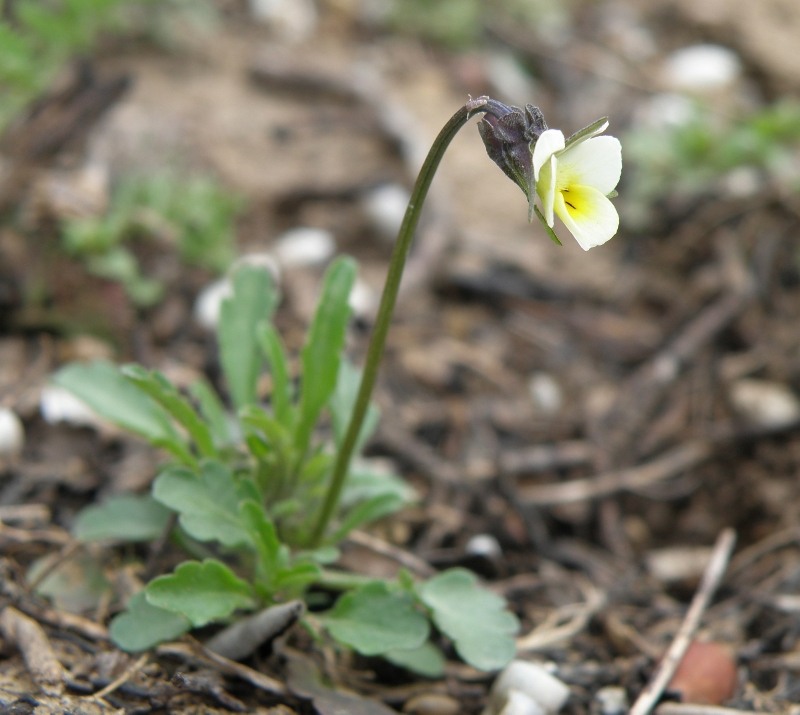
(383,319)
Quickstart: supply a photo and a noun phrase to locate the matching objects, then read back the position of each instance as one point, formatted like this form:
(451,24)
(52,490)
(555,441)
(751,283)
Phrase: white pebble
(12,433)
(534,681)
(765,403)
(385,207)
(59,405)
(293,19)
(208,304)
(519,703)
(701,68)
(613,700)
(545,392)
(484,545)
(363,301)
(304,246)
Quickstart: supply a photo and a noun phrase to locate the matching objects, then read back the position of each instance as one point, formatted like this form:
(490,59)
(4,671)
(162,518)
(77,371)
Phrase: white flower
(574,179)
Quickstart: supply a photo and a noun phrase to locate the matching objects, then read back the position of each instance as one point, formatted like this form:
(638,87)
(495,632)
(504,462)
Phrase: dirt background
(582,426)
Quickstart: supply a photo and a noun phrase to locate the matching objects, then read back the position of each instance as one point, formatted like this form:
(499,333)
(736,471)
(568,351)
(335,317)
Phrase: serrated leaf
(427,660)
(373,620)
(323,349)
(477,620)
(254,300)
(163,392)
(143,625)
(125,517)
(206,500)
(201,591)
(103,388)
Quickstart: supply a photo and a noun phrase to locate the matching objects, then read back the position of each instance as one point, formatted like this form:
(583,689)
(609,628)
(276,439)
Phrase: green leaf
(342,403)
(271,557)
(202,592)
(125,517)
(143,625)
(323,348)
(254,300)
(207,501)
(550,232)
(213,412)
(372,509)
(374,620)
(477,621)
(282,390)
(427,660)
(156,386)
(103,388)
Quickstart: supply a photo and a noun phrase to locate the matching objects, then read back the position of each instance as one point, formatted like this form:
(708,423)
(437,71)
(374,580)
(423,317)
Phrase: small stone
(385,207)
(707,674)
(363,301)
(304,246)
(58,405)
(765,403)
(545,392)
(701,68)
(532,680)
(612,700)
(432,704)
(484,545)
(12,433)
(208,304)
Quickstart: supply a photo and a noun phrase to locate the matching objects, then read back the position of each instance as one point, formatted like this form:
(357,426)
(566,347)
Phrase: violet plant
(261,498)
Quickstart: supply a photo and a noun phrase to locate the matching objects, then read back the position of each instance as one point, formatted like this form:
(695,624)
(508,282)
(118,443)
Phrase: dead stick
(712,576)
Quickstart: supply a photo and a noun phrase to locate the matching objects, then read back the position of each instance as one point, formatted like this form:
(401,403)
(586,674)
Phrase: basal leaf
(125,517)
(253,301)
(477,620)
(207,501)
(201,591)
(143,625)
(265,538)
(102,387)
(366,511)
(374,620)
(323,349)
(282,390)
(427,660)
(156,386)
(213,412)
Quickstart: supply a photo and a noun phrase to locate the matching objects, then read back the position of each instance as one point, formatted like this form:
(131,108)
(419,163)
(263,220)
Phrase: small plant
(261,498)
(194,214)
(693,158)
(36,39)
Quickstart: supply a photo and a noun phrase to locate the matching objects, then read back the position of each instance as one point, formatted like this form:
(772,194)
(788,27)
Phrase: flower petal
(596,162)
(549,142)
(588,215)
(546,188)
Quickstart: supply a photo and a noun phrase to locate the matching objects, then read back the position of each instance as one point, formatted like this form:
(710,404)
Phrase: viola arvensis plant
(572,178)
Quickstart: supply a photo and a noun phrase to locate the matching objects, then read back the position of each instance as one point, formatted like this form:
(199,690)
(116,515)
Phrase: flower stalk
(383,319)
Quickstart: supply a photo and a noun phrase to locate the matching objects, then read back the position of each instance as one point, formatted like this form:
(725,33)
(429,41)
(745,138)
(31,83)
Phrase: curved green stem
(383,319)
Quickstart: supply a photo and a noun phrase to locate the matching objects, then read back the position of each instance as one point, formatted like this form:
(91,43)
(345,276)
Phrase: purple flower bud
(509,134)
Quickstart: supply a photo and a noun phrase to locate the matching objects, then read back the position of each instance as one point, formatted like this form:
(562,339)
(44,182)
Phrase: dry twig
(666,669)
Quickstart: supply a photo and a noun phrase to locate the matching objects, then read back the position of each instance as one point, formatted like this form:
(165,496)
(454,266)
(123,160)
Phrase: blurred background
(605,410)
